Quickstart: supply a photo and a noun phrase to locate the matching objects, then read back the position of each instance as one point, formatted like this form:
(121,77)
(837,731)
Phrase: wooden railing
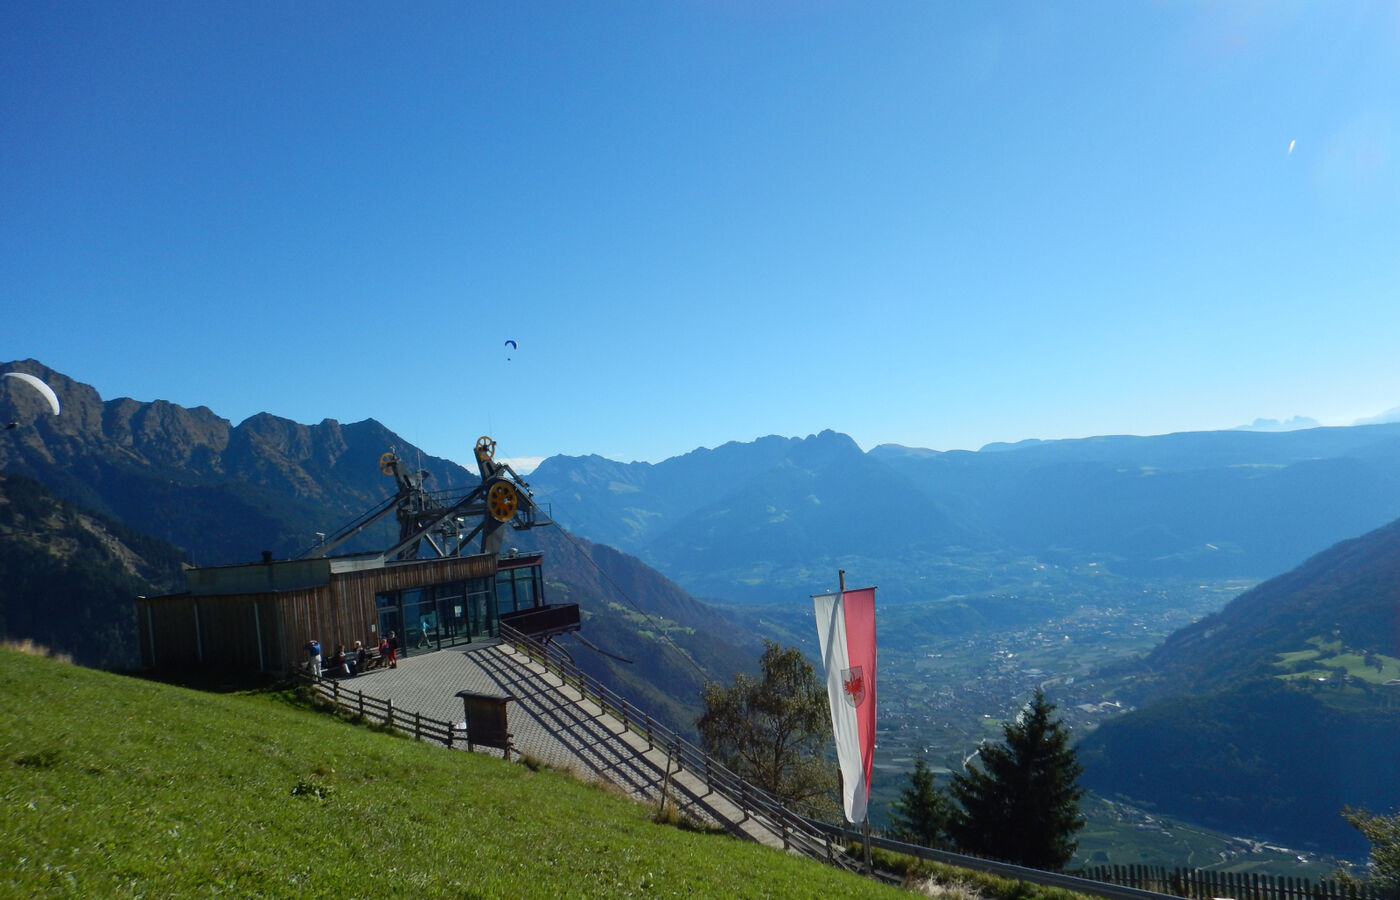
(421,727)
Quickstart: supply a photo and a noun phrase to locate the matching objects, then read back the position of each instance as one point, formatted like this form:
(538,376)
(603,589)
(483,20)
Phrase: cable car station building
(427,589)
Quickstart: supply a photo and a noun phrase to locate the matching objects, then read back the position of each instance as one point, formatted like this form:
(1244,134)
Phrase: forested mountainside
(1347,594)
(68,575)
(1272,715)
(224,493)
(671,643)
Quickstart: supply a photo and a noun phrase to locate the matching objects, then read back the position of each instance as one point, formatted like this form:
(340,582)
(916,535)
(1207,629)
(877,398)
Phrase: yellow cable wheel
(386,463)
(502,500)
(485,447)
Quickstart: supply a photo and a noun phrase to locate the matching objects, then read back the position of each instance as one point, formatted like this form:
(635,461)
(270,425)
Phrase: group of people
(352,662)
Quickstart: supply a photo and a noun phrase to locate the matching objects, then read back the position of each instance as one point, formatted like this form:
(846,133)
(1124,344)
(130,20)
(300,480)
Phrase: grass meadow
(112,786)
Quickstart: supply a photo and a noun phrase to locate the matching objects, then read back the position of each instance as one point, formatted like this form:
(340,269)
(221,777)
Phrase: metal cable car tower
(435,524)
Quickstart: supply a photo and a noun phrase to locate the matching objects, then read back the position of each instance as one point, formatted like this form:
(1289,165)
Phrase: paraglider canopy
(39,386)
(510,345)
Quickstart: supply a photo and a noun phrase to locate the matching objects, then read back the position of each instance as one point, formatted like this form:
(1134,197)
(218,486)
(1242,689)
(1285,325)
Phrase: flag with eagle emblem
(846,629)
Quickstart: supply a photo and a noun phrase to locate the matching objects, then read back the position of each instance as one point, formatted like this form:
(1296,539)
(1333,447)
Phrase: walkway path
(557,725)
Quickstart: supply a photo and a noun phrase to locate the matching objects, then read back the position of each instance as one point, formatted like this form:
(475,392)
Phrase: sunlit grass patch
(1330,659)
(32,649)
(118,787)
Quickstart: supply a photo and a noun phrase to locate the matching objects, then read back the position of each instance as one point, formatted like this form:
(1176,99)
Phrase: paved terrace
(554,723)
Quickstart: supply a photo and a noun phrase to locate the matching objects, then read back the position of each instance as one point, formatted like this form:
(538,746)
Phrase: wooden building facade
(259,617)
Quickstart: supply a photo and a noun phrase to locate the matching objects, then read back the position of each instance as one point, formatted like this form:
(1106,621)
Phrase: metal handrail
(996,867)
(796,832)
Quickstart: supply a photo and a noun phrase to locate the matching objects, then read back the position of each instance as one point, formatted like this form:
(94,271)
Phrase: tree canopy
(1022,804)
(772,730)
(1383,871)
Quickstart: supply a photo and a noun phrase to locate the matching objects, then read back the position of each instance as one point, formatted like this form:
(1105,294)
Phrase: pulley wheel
(502,500)
(387,463)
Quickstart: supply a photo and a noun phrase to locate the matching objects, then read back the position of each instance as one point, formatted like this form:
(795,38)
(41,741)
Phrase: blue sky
(932,223)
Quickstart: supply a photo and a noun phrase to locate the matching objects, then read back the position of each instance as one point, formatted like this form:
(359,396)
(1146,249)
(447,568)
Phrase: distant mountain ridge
(752,521)
(1219,504)
(189,476)
(1292,424)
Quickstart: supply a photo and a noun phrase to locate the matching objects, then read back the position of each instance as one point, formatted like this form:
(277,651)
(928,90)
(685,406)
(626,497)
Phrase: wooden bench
(372,661)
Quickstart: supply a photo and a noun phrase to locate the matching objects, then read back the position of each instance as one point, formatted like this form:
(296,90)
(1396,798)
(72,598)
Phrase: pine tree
(1022,805)
(920,815)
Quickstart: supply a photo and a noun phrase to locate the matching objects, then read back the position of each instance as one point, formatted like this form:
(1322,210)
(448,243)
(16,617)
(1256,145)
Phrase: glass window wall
(518,589)
(442,615)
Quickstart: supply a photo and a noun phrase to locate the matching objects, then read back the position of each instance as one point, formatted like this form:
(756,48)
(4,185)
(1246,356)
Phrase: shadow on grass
(290,692)
(214,681)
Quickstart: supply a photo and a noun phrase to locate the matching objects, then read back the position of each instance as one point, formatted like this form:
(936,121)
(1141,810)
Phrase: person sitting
(361,657)
(340,664)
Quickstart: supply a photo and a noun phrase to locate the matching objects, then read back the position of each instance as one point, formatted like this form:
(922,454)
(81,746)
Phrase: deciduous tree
(1022,804)
(772,731)
(1383,873)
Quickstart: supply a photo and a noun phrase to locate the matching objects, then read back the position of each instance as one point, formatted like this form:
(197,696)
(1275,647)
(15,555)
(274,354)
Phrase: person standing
(393,650)
(313,654)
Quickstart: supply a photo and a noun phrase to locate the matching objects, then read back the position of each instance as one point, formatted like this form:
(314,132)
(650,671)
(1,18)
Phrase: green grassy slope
(117,787)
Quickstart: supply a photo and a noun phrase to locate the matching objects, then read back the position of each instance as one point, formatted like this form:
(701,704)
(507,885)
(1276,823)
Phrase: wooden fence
(421,727)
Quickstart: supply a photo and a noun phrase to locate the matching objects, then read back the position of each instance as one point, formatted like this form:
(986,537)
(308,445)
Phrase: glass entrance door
(420,620)
(389,621)
(452,616)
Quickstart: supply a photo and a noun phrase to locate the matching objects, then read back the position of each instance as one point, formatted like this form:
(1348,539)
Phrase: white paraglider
(39,386)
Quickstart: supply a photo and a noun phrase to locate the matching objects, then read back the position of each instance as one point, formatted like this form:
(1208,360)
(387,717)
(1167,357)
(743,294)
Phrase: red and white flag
(846,629)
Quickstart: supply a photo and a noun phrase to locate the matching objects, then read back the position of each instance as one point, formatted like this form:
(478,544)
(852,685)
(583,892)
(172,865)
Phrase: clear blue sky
(933,223)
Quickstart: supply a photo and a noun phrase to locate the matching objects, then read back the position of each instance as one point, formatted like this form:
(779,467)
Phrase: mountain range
(1224,733)
(754,522)
(1234,712)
